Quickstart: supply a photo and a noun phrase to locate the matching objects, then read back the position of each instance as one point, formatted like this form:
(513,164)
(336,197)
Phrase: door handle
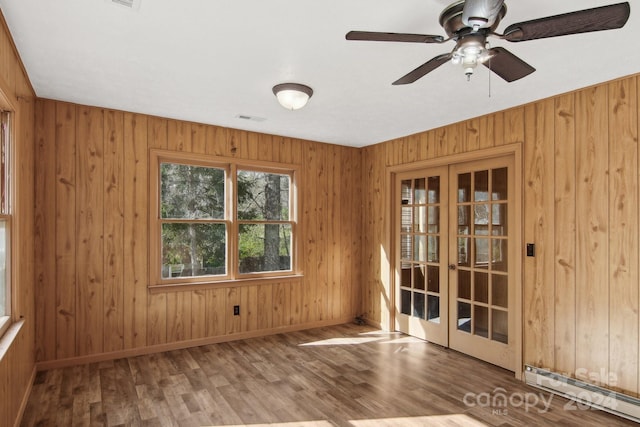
(452,267)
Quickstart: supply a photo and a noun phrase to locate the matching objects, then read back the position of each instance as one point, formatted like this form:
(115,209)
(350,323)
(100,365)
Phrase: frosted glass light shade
(292,96)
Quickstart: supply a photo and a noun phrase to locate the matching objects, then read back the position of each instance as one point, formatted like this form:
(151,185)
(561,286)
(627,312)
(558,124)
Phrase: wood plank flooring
(347,375)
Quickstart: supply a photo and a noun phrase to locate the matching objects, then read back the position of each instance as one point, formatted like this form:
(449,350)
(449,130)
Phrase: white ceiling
(209,61)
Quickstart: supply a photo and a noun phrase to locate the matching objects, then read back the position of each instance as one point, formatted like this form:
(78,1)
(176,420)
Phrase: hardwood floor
(346,376)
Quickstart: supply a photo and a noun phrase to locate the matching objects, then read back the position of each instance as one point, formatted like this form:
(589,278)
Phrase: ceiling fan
(470,22)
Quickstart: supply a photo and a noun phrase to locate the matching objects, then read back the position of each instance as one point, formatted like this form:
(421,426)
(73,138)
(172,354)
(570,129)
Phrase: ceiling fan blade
(393,37)
(423,70)
(583,21)
(481,13)
(507,65)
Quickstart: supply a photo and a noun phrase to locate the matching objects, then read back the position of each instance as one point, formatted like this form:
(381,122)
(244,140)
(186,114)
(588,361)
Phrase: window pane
(500,326)
(263,196)
(418,277)
(193,250)
(481,186)
(405,302)
(433,193)
(481,286)
(4,164)
(418,305)
(499,184)
(405,192)
(481,321)
(405,274)
(464,317)
(420,248)
(433,279)
(420,194)
(433,309)
(419,219)
(191,192)
(464,187)
(264,247)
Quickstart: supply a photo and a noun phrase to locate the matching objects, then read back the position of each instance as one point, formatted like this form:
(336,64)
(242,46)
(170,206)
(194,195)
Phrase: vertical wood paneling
(90,223)
(198,138)
(156,319)
(113,215)
(347,257)
(215,141)
(513,126)
(423,150)
(472,133)
(456,141)
(297,303)
(623,236)
(8,65)
(248,308)
(178,316)
(65,213)
(135,231)
(178,136)
(216,311)
(5,384)
(45,252)
(539,228)
(565,235)
(439,143)
(282,304)
(334,224)
(492,130)
(322,228)
(592,228)
(310,216)
(264,306)
(198,314)
(355,208)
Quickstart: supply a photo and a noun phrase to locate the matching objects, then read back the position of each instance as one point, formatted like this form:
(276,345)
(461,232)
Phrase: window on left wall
(5,220)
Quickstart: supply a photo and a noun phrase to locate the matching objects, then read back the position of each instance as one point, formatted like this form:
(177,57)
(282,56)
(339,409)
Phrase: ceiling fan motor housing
(451,20)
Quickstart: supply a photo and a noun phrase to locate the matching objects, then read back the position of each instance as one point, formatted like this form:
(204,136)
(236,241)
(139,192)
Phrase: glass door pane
(419,247)
(481,199)
(421,255)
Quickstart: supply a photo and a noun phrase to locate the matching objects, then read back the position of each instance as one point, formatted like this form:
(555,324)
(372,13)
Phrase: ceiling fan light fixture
(292,96)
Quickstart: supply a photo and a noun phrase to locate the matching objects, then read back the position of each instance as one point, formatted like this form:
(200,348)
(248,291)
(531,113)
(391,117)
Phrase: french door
(455,281)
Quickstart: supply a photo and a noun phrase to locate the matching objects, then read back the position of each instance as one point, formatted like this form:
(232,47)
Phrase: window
(216,221)
(5,221)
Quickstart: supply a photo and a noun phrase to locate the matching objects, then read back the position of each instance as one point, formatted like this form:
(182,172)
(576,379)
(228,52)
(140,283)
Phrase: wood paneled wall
(92,236)
(17,365)
(581,182)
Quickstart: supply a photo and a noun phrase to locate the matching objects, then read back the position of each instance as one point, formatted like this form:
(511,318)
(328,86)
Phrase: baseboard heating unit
(584,395)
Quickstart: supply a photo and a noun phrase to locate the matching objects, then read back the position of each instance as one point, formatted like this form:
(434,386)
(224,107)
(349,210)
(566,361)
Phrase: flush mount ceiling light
(292,96)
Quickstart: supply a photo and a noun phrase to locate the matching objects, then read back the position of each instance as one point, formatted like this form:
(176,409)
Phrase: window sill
(192,286)
(9,336)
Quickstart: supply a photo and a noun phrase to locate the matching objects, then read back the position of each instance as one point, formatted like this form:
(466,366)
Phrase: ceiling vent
(252,118)
(129,4)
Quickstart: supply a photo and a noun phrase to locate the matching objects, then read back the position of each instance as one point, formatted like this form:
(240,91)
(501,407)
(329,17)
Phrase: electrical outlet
(236,310)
